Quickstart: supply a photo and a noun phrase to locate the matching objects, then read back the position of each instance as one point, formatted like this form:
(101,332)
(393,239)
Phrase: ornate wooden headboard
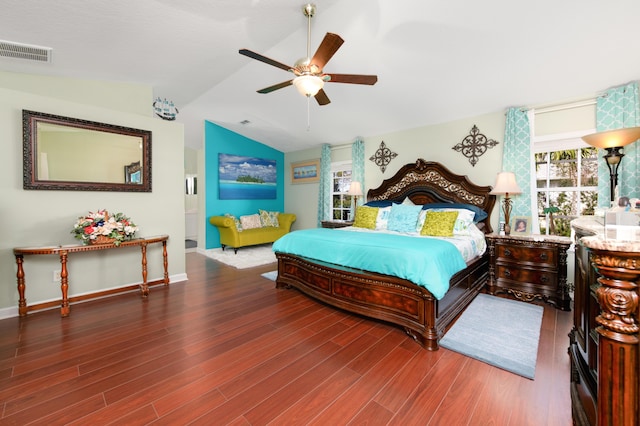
(430,182)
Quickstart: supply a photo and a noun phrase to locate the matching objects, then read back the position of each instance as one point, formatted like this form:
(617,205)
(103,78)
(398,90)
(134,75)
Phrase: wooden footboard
(384,297)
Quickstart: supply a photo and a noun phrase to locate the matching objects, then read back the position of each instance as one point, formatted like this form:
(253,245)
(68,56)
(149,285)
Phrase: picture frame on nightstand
(521,225)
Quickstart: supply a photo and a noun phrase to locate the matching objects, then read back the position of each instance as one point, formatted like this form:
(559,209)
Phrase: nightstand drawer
(541,256)
(524,275)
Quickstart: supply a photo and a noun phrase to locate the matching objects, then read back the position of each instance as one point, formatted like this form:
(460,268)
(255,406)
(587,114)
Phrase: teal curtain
(516,158)
(324,190)
(619,108)
(357,166)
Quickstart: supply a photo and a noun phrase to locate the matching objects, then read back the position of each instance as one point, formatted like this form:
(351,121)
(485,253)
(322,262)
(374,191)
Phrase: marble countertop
(621,239)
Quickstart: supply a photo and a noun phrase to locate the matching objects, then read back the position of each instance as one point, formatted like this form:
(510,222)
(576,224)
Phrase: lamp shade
(506,184)
(613,138)
(308,85)
(355,189)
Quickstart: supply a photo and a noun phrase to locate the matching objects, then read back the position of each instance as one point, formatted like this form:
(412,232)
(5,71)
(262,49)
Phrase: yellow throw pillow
(366,217)
(439,224)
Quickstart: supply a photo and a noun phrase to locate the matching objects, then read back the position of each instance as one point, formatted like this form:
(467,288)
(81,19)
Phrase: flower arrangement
(100,227)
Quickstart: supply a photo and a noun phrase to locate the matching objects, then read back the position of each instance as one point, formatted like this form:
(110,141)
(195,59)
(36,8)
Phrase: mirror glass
(71,154)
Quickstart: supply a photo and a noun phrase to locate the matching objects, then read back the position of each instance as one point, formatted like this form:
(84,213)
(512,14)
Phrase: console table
(64,251)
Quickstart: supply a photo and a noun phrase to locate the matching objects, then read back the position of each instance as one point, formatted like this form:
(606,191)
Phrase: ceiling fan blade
(322,98)
(329,46)
(275,87)
(353,78)
(264,59)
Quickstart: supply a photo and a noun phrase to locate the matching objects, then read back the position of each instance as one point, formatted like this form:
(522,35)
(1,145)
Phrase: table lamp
(505,185)
(355,190)
(612,141)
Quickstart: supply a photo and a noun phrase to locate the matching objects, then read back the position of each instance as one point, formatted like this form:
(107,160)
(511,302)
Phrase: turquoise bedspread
(428,262)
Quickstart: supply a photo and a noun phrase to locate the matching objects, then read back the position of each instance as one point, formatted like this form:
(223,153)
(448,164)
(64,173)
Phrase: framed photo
(305,171)
(521,225)
(133,173)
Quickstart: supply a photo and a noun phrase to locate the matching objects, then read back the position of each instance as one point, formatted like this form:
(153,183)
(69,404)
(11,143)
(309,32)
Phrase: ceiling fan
(309,76)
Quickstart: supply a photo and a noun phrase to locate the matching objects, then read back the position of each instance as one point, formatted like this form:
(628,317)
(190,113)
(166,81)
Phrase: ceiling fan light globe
(308,85)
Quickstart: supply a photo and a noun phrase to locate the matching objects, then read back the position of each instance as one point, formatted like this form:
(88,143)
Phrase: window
(566,181)
(340,181)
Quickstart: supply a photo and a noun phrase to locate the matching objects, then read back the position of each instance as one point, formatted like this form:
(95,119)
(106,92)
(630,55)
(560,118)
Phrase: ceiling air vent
(10,49)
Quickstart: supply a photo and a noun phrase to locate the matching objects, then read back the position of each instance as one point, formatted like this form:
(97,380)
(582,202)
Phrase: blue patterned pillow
(235,220)
(403,218)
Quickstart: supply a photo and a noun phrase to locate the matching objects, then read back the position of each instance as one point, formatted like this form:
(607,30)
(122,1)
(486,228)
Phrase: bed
(399,301)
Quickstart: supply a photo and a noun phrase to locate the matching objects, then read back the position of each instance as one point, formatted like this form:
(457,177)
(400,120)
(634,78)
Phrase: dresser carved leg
(618,348)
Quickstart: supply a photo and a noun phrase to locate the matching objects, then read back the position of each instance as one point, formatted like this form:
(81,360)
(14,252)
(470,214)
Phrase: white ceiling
(436,60)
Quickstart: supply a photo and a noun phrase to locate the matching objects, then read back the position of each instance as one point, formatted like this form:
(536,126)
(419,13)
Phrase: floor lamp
(613,142)
(355,190)
(506,185)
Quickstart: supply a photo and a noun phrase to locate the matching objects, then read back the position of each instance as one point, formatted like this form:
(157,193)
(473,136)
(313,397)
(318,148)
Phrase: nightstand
(529,268)
(336,223)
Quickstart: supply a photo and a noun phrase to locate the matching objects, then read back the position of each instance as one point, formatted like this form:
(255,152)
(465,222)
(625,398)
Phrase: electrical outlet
(56,276)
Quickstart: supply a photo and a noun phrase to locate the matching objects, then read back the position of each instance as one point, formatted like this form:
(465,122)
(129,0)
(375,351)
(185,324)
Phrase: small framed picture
(305,171)
(521,225)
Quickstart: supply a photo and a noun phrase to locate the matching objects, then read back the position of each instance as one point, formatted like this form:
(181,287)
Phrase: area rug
(272,275)
(501,332)
(247,257)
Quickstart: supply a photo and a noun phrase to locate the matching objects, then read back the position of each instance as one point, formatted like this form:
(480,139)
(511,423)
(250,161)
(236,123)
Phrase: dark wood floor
(226,347)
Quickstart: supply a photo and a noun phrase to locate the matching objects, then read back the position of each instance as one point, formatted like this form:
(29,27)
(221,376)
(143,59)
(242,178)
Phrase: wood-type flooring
(226,347)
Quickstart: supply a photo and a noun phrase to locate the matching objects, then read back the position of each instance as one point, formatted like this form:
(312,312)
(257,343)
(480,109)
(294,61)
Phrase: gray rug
(272,275)
(501,332)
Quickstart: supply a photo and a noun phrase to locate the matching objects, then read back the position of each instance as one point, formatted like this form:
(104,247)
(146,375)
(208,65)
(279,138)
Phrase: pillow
(403,218)
(250,221)
(407,202)
(479,214)
(383,218)
(439,224)
(366,217)
(379,203)
(461,226)
(269,218)
(235,220)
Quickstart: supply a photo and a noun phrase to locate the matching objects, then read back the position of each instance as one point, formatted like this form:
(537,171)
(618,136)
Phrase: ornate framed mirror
(63,153)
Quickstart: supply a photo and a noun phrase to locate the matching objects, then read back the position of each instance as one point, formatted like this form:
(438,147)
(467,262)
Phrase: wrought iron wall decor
(474,145)
(383,157)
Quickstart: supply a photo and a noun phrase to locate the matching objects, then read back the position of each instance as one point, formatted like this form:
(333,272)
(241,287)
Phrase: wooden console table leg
(165,260)
(64,284)
(619,342)
(144,287)
(22,301)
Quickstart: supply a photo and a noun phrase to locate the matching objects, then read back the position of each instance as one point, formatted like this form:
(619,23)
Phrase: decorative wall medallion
(383,157)
(165,109)
(474,145)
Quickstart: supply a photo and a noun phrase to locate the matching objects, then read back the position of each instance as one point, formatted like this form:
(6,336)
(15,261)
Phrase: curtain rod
(336,147)
(562,107)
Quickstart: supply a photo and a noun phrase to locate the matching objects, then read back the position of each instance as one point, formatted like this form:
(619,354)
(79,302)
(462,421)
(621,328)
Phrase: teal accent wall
(219,140)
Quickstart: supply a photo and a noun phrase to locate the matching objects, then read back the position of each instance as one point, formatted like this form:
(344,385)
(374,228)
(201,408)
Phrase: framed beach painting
(305,171)
(246,178)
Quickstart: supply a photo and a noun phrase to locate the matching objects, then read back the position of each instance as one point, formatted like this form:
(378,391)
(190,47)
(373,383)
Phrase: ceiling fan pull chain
(308,113)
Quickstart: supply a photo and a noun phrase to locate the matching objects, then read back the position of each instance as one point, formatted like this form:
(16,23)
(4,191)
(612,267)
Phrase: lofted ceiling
(436,60)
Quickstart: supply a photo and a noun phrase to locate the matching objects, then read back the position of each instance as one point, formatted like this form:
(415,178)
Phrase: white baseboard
(13,311)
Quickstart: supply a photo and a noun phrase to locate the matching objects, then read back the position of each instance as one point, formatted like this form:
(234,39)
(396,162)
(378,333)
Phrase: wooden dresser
(530,268)
(604,342)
